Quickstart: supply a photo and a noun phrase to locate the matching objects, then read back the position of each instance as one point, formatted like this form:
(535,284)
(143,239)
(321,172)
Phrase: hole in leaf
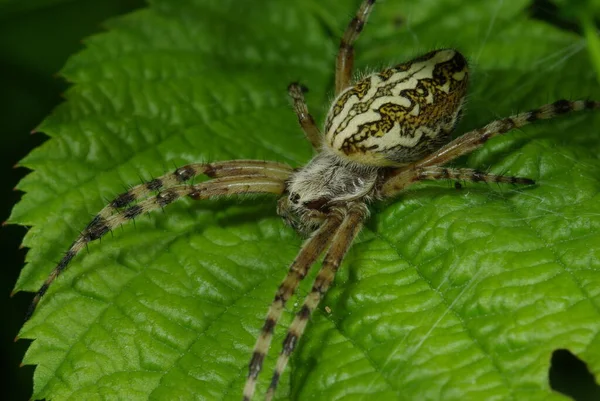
(570,376)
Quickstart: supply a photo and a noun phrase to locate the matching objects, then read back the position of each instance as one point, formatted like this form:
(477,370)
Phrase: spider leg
(310,251)
(185,173)
(103,223)
(345,56)
(340,244)
(468,175)
(476,138)
(410,176)
(306,120)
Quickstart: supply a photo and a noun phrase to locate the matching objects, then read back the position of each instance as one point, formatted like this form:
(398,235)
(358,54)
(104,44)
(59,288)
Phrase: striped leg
(182,174)
(106,221)
(470,141)
(307,122)
(411,176)
(340,244)
(467,174)
(345,57)
(475,139)
(309,252)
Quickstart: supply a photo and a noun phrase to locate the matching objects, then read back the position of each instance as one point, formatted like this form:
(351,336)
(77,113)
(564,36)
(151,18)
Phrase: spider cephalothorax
(326,181)
(382,133)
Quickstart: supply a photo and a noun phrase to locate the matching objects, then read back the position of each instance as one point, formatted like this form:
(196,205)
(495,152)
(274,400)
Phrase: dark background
(36,38)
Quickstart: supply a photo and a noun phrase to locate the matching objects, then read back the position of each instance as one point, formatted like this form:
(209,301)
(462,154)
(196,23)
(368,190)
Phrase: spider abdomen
(398,115)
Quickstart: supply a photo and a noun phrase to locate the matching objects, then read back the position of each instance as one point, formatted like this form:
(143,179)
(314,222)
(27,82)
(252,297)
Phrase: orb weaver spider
(383,133)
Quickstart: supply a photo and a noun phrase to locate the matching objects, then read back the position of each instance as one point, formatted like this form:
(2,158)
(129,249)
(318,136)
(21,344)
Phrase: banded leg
(467,174)
(103,223)
(309,252)
(340,244)
(345,57)
(185,173)
(410,176)
(476,138)
(306,120)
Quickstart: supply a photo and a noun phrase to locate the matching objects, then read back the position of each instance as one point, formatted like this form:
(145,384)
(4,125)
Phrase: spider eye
(294,198)
(398,115)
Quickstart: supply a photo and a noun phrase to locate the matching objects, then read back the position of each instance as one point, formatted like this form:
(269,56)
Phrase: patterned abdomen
(398,115)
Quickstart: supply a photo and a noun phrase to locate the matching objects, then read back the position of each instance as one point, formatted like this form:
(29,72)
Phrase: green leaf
(447,294)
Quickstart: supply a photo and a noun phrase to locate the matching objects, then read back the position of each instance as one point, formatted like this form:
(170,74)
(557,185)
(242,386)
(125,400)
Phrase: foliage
(448,294)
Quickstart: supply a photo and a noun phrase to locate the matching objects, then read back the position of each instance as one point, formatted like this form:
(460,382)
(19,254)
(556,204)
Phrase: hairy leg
(105,222)
(306,120)
(310,251)
(185,173)
(405,179)
(476,138)
(345,57)
(472,140)
(341,242)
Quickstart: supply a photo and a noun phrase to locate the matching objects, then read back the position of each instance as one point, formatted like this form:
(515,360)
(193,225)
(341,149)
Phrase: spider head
(326,181)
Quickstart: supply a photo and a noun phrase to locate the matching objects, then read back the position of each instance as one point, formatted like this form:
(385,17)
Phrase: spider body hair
(325,181)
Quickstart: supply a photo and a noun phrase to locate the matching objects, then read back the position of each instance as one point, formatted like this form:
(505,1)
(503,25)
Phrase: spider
(382,133)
